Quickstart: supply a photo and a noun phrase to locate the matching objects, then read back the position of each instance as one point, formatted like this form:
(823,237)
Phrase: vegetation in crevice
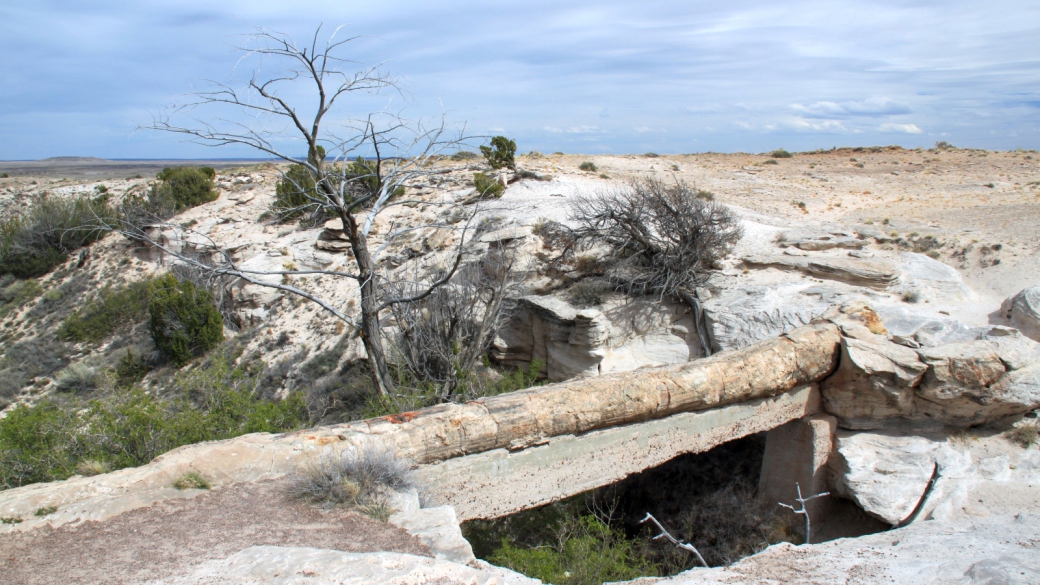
(707,499)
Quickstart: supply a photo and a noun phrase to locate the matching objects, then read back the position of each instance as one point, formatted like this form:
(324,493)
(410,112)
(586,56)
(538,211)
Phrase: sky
(80,78)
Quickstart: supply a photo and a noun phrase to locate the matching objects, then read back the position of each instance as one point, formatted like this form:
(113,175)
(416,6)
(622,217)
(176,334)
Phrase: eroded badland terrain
(873,334)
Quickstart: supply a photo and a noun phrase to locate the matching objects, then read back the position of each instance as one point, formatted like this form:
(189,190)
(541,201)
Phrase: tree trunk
(371,330)
(694,304)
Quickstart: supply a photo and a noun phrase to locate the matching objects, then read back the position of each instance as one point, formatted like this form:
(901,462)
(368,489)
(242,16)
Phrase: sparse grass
(962,437)
(10,520)
(78,378)
(1024,435)
(14,294)
(362,479)
(586,294)
(588,166)
(46,510)
(911,296)
(193,480)
(92,467)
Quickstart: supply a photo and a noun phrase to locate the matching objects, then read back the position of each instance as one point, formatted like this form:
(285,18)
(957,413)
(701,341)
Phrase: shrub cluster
(33,243)
(294,192)
(16,293)
(113,309)
(179,188)
(297,194)
(486,186)
(186,187)
(184,322)
(362,479)
(591,553)
(588,166)
(781,153)
(53,440)
(501,153)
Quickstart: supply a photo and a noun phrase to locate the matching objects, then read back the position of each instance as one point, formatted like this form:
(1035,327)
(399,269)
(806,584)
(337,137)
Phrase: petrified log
(520,419)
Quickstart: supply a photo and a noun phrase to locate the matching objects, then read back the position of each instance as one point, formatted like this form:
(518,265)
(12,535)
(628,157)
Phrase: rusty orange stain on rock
(402,418)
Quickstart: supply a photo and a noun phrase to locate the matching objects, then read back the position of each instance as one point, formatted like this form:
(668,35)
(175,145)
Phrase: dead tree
(667,536)
(801,502)
(443,336)
(664,240)
(355,168)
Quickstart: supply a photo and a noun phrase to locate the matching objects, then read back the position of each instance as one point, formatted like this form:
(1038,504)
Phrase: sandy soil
(170,537)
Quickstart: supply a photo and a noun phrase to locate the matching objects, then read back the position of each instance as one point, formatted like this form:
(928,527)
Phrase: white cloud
(643,129)
(583,130)
(552,129)
(903,128)
(870,107)
(803,125)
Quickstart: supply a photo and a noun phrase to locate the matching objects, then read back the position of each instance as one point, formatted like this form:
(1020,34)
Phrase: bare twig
(801,501)
(667,536)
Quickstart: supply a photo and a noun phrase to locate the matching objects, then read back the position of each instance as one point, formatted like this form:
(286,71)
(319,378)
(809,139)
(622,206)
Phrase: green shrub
(770,162)
(52,441)
(501,153)
(186,187)
(588,166)
(293,193)
(114,308)
(33,243)
(184,321)
(46,510)
(486,186)
(781,153)
(464,155)
(130,369)
(591,553)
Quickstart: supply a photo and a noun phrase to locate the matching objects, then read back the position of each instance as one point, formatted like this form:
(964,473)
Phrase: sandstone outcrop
(933,280)
(275,565)
(824,242)
(739,317)
(887,476)
(1022,310)
(575,343)
(880,383)
(871,273)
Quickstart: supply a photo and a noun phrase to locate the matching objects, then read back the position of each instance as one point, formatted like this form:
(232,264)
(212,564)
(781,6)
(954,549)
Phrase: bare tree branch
(801,501)
(667,536)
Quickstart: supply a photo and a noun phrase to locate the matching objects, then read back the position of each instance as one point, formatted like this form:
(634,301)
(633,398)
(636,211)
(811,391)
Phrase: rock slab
(886,475)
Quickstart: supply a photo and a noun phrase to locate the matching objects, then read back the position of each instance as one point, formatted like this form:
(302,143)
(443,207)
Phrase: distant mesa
(74,159)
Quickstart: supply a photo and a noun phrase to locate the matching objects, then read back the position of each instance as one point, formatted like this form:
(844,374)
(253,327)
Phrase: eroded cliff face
(572,342)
